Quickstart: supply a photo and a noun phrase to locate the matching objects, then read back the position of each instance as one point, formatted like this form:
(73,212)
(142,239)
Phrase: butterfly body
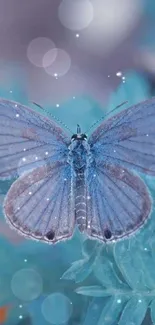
(79,158)
(63,182)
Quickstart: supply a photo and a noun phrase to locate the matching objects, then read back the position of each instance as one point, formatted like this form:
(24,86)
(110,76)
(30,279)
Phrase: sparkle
(77,35)
(46,153)
(36,158)
(124,81)
(20,317)
(88,197)
(139,300)
(119,74)
(24,159)
(114,150)
(25,260)
(24,149)
(30,193)
(57,105)
(47,199)
(15,105)
(109,76)
(65,179)
(145,249)
(18,208)
(123,78)
(147,135)
(94,175)
(55,75)
(73,97)
(20,306)
(17,115)
(119,301)
(10,91)
(88,226)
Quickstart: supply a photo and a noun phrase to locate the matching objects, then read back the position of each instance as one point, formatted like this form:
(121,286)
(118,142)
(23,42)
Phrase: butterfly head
(79,135)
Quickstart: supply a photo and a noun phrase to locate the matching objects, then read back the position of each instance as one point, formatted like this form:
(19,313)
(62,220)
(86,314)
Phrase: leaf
(134,311)
(128,261)
(90,246)
(112,310)
(93,291)
(93,312)
(152,307)
(79,271)
(104,271)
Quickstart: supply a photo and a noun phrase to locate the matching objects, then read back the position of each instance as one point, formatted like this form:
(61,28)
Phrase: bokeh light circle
(56,62)
(26,284)
(75,15)
(57,308)
(113,21)
(37,48)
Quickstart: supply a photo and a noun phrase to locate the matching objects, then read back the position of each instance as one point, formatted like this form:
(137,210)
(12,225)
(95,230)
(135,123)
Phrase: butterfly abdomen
(80,200)
(78,158)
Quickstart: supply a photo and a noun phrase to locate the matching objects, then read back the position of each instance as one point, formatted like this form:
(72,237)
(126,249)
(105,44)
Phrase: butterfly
(65,182)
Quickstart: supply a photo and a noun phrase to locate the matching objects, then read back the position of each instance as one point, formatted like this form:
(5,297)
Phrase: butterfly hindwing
(118,202)
(39,204)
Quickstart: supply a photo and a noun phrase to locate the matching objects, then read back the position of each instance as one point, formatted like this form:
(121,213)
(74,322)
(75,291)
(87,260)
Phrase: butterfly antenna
(103,117)
(53,116)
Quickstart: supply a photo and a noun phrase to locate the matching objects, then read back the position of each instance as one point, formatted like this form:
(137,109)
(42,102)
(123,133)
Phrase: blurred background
(79,59)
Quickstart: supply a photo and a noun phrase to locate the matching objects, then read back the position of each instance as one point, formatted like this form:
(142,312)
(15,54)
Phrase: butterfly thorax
(79,152)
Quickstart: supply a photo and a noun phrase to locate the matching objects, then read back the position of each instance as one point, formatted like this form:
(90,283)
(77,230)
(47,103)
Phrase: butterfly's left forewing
(39,204)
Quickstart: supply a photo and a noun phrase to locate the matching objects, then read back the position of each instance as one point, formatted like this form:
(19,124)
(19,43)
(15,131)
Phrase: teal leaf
(152,307)
(90,246)
(104,270)
(79,271)
(111,310)
(93,312)
(130,264)
(93,291)
(134,311)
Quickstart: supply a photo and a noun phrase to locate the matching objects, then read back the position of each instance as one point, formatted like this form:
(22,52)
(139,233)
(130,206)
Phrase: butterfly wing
(27,139)
(128,138)
(119,201)
(39,204)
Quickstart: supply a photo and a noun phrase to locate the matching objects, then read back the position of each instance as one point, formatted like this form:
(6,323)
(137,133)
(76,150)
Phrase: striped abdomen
(80,200)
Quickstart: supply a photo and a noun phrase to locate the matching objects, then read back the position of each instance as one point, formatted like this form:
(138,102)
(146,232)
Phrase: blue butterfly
(86,182)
